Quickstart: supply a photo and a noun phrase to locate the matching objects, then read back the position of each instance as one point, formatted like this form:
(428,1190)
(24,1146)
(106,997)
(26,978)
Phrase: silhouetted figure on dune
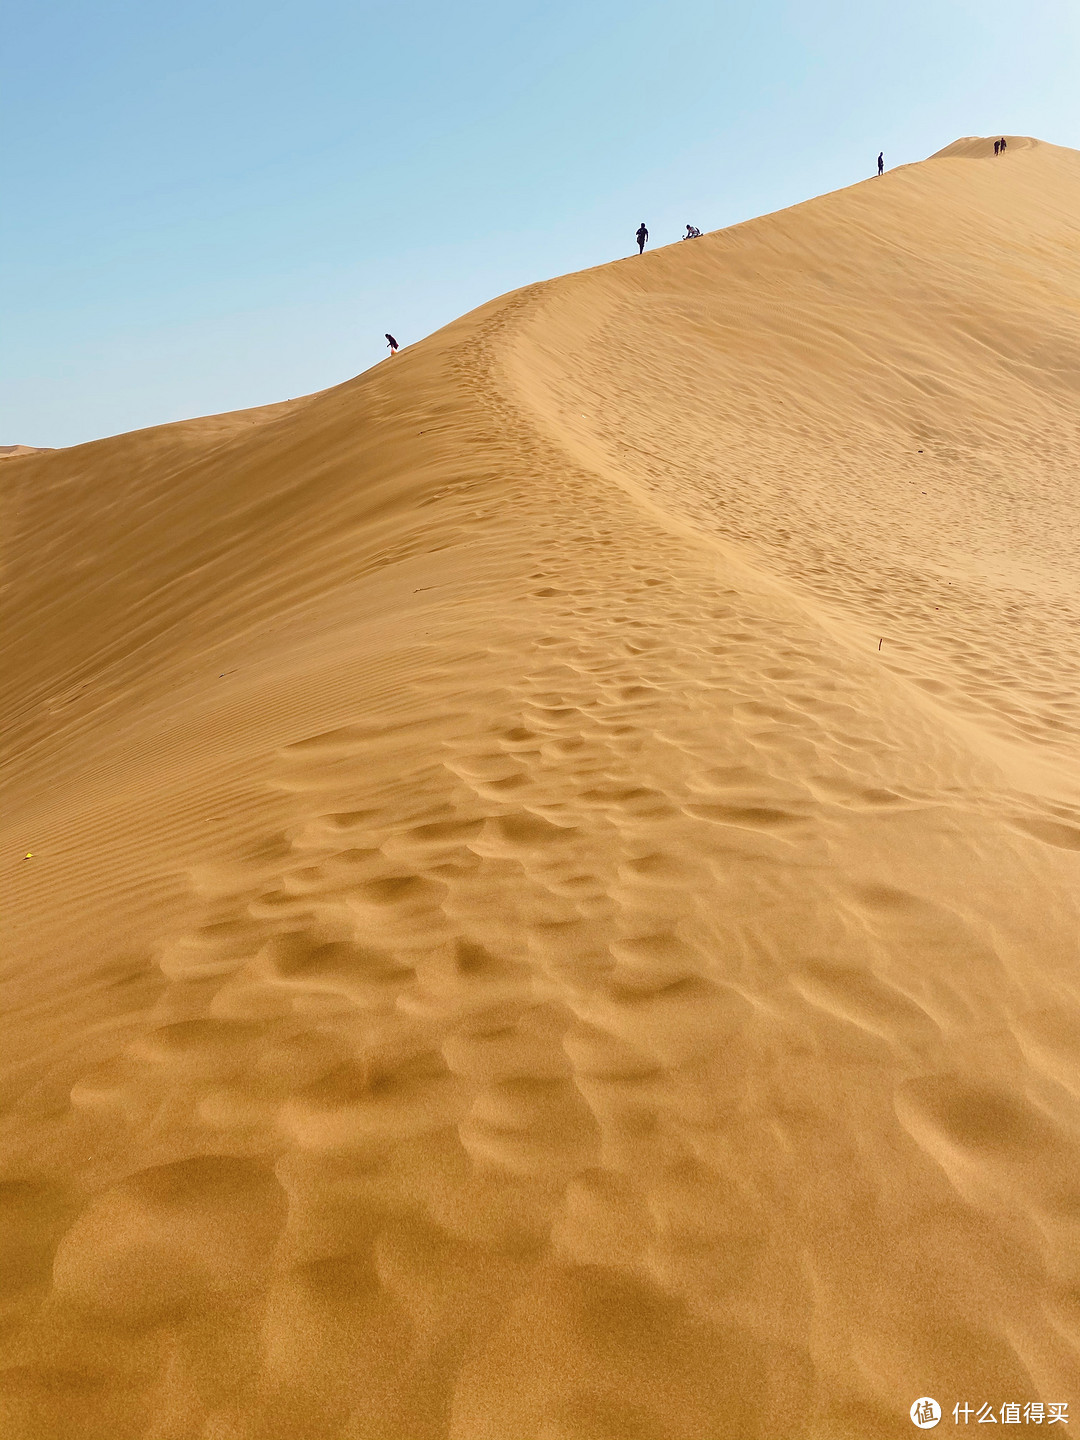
(881,163)
(392,344)
(642,236)
(997,147)
(1003,144)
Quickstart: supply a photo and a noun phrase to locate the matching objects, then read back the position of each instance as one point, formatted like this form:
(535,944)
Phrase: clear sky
(215,205)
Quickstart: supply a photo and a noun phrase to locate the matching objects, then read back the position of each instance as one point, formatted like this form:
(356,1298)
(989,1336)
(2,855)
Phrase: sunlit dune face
(544,878)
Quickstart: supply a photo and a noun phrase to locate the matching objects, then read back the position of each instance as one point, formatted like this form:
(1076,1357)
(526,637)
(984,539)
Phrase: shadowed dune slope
(543,883)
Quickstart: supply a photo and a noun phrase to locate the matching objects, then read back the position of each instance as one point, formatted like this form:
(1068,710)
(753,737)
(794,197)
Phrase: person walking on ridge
(997,147)
(881,163)
(642,236)
(1003,144)
(392,344)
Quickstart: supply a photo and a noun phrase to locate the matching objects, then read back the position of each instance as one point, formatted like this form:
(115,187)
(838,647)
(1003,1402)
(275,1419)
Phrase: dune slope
(543,883)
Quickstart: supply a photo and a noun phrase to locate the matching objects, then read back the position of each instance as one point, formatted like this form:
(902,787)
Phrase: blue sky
(210,206)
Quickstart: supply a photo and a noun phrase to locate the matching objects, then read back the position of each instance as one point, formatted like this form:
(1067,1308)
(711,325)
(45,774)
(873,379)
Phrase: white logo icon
(925,1413)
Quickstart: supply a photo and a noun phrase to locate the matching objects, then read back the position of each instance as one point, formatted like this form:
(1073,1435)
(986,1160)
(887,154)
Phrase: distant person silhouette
(881,163)
(997,147)
(392,344)
(642,236)
(692,232)
(1003,144)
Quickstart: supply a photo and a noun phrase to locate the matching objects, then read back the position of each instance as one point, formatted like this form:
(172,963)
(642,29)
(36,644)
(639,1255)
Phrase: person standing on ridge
(1003,144)
(881,163)
(642,236)
(392,344)
(997,147)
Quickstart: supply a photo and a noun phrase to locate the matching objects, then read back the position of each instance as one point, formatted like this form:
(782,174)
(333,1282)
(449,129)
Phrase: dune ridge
(552,901)
(15,452)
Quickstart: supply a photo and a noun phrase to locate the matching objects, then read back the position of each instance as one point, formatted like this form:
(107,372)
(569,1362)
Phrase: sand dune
(14,452)
(542,882)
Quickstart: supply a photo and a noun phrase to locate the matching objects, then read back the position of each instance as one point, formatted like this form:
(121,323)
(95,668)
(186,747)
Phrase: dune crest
(543,879)
(16,452)
(981,147)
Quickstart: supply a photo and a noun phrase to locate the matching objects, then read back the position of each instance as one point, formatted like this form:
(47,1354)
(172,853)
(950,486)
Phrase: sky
(210,206)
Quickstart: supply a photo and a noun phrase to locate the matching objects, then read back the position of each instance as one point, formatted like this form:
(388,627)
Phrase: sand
(542,884)
(12,452)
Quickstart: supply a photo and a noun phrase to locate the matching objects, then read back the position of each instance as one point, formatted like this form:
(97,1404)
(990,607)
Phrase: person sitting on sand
(642,236)
(392,344)
(692,232)
(881,163)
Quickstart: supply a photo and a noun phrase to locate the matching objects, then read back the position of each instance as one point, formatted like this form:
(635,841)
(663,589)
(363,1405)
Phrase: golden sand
(543,883)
